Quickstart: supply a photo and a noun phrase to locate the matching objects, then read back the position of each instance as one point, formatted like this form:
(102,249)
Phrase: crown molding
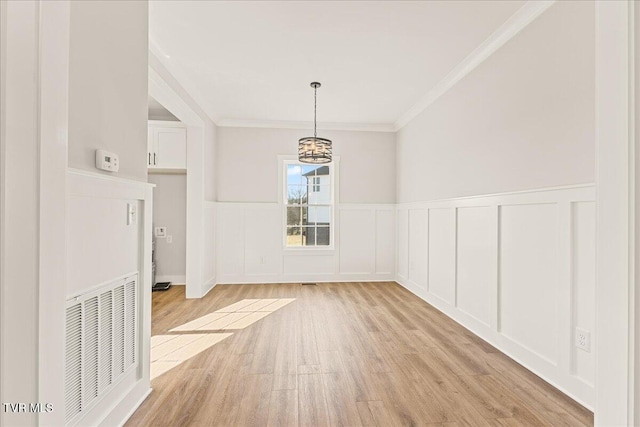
(512,26)
(281,124)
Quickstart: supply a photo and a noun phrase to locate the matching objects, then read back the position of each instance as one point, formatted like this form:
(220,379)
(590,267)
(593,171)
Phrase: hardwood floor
(349,354)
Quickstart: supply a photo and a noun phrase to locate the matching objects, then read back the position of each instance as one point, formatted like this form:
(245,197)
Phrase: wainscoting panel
(529,277)
(251,246)
(402,247)
(105,237)
(263,241)
(584,283)
(385,241)
(231,231)
(442,253)
(357,242)
(476,274)
(517,269)
(209,267)
(418,248)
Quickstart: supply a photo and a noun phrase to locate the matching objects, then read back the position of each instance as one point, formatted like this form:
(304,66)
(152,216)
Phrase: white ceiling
(253,61)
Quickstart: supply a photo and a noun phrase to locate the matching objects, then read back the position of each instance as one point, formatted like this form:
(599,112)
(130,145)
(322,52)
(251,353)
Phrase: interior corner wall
(108,84)
(523,119)
(496,214)
(248,163)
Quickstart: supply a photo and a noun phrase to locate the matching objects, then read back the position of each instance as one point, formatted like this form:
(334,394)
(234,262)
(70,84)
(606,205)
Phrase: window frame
(283,163)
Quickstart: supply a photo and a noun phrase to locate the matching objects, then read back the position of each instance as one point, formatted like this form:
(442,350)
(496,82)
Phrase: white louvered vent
(100,341)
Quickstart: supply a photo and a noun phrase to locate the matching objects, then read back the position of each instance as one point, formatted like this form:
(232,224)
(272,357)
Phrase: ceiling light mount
(313,149)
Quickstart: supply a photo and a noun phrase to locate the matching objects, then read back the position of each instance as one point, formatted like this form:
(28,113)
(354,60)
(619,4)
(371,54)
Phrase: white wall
(248,163)
(251,217)
(103,246)
(108,106)
(170,210)
(251,246)
(202,137)
(517,269)
(19,167)
(108,84)
(523,119)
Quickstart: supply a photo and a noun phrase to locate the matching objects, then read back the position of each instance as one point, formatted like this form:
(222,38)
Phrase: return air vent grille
(100,343)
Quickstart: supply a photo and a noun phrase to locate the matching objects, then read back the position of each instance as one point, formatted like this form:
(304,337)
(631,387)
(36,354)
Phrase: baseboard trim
(208,285)
(173,278)
(135,407)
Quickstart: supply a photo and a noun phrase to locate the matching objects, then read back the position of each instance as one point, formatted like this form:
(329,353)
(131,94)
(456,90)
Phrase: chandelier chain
(315,107)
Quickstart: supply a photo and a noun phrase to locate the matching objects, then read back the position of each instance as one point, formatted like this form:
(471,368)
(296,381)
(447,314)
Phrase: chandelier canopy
(313,149)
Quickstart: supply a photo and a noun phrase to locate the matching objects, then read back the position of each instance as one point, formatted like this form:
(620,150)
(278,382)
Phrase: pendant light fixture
(313,149)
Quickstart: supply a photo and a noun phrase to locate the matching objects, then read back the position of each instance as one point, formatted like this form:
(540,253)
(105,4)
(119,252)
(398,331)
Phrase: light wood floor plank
(351,354)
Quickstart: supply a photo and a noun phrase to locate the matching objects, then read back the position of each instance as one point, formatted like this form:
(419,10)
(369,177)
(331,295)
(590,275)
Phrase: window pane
(296,194)
(319,215)
(309,170)
(294,236)
(320,197)
(309,236)
(323,236)
(294,175)
(294,216)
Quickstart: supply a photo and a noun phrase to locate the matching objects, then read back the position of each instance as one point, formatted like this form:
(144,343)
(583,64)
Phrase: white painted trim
(3,73)
(315,278)
(284,124)
(168,91)
(615,176)
(209,285)
(179,279)
(584,192)
(135,407)
(518,21)
(166,123)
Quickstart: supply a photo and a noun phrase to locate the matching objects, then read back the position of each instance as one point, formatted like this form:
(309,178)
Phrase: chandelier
(313,149)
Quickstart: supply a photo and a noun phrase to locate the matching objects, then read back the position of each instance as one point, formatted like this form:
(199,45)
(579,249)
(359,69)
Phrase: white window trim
(282,183)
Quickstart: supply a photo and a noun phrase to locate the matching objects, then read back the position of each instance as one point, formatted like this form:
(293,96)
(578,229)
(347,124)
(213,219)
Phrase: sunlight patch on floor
(168,351)
(238,315)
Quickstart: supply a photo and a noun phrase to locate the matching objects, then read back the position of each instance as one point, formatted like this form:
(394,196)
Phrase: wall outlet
(169,239)
(161,231)
(583,339)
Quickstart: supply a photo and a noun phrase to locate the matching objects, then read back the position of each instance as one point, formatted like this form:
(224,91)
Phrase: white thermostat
(107,161)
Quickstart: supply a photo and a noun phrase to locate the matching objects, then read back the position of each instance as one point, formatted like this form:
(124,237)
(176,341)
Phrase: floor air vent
(309,284)
(100,344)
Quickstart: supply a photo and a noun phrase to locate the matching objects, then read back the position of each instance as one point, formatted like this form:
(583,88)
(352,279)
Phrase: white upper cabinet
(167,145)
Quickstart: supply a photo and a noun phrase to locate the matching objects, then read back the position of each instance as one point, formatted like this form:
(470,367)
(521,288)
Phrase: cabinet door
(171,148)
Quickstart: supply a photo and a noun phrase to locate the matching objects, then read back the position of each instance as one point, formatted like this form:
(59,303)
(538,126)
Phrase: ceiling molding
(512,26)
(281,124)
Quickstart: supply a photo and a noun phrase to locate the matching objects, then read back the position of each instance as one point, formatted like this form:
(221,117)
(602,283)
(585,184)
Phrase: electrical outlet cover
(583,339)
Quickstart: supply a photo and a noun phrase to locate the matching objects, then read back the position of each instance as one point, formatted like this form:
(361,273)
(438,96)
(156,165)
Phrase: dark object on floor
(309,284)
(161,286)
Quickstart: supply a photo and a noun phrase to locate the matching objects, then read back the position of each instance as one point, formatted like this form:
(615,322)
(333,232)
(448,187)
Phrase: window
(309,204)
